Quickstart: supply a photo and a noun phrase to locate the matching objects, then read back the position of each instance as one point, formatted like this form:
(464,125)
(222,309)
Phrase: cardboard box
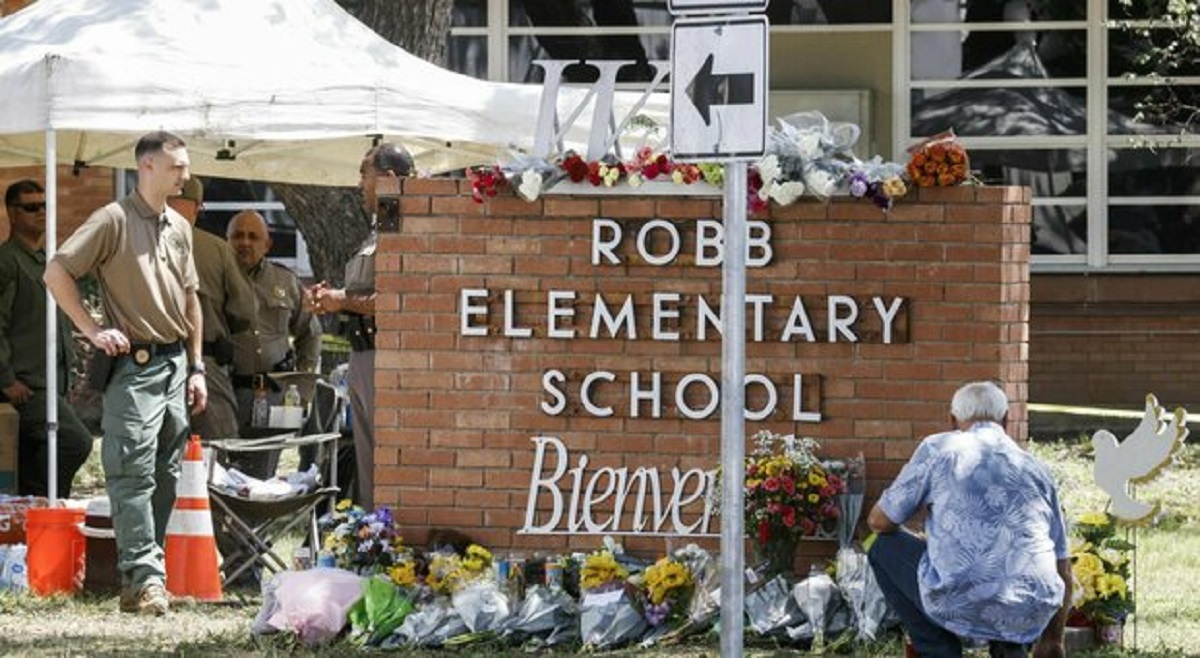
(10,424)
(12,516)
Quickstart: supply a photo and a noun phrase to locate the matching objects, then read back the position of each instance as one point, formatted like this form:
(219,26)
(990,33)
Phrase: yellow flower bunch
(1100,565)
(600,569)
(666,578)
(477,561)
(445,573)
(403,574)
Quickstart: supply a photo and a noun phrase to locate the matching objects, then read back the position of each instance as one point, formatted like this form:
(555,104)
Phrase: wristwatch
(197,369)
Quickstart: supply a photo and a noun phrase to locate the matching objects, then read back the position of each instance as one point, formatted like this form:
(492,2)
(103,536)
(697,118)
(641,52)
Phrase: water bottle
(291,398)
(261,412)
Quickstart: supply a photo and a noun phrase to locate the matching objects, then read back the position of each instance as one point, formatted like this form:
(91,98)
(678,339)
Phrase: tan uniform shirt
(226,298)
(281,313)
(143,260)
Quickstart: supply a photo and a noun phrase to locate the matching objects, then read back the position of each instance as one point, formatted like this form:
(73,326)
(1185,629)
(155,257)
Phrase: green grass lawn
(1167,568)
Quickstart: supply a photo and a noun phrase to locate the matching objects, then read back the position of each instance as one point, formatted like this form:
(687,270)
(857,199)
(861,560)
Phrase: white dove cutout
(1138,458)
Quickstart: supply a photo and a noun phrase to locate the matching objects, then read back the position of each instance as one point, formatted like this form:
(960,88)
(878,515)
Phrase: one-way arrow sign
(719,87)
(707,89)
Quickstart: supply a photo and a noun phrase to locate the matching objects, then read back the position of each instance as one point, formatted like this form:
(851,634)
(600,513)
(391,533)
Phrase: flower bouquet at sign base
(1100,564)
(607,614)
(361,542)
(940,161)
(789,494)
(666,591)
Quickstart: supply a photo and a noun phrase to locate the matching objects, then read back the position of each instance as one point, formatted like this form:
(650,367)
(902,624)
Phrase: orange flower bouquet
(940,161)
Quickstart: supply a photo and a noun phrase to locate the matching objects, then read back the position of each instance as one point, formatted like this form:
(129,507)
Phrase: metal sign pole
(733,427)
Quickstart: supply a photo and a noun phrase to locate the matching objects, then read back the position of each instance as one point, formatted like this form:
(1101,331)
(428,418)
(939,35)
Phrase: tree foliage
(1161,43)
(331,219)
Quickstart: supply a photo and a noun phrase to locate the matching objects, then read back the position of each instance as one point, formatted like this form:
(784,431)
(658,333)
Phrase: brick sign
(552,368)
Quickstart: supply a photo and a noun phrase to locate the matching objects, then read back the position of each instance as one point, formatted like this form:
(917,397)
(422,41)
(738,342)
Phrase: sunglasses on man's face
(32,207)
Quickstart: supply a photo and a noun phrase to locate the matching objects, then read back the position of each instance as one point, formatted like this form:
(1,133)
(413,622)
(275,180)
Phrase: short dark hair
(24,186)
(159,140)
(392,157)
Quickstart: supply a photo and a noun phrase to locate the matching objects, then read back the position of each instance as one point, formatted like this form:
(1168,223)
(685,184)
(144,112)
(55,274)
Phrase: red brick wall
(455,414)
(1108,340)
(78,196)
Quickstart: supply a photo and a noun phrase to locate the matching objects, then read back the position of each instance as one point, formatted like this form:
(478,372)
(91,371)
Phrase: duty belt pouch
(99,370)
(223,352)
(360,331)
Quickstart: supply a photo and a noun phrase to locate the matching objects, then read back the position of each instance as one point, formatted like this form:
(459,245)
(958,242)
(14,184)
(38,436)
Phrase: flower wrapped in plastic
(548,616)
(877,181)
(470,583)
(770,608)
(382,608)
(608,615)
(432,624)
(667,586)
(940,161)
(821,603)
(360,542)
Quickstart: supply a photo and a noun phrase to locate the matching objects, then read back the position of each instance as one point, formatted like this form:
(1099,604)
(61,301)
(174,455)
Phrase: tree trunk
(331,219)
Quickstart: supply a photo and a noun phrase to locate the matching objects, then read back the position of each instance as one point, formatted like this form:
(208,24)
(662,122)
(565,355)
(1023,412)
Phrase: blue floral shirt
(995,533)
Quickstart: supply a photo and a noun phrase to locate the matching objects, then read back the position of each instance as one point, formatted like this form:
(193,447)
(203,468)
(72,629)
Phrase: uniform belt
(142,353)
(248,381)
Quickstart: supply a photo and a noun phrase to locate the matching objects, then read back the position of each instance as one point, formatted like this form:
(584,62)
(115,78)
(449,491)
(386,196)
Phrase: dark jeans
(894,559)
(74,445)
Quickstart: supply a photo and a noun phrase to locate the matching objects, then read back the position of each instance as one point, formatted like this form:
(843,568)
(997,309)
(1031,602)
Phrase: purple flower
(858,184)
(657,614)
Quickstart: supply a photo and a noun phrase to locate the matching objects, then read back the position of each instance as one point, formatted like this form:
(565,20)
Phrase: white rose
(785,194)
(531,185)
(809,146)
(821,182)
(768,169)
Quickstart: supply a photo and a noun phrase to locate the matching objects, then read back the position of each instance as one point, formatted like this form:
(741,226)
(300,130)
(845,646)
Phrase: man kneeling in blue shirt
(994,564)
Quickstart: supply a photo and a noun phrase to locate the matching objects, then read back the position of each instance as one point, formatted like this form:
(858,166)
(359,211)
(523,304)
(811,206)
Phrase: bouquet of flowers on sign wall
(805,154)
(1101,566)
(789,492)
(940,161)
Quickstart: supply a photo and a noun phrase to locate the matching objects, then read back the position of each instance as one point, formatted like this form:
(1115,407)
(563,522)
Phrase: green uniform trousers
(145,429)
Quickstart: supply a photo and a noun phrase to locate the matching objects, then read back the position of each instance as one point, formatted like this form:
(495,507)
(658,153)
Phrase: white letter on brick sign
(643,242)
(585,393)
(758,241)
(549,484)
(555,311)
(798,413)
(468,308)
(710,243)
(678,502)
(590,498)
(839,324)
(606,237)
(550,381)
(888,315)
(510,317)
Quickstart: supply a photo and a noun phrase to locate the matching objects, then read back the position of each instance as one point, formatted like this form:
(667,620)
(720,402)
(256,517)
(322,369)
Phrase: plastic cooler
(100,573)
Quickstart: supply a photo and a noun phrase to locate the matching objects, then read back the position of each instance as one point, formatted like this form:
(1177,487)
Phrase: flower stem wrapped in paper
(380,611)
(704,606)
(608,616)
(475,593)
(940,161)
(548,616)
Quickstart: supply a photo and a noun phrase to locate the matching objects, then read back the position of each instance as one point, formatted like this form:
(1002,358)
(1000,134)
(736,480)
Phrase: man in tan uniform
(285,336)
(141,252)
(355,306)
(228,306)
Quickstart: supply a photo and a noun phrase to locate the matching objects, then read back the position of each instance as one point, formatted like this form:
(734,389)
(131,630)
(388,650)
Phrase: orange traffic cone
(191,547)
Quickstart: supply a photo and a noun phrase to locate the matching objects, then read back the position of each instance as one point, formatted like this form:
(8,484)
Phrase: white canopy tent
(272,90)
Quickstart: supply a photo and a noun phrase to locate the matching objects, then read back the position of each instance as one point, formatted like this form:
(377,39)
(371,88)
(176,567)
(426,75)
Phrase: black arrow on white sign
(707,89)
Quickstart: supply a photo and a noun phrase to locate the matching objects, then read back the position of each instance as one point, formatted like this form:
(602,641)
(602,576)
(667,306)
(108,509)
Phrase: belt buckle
(141,356)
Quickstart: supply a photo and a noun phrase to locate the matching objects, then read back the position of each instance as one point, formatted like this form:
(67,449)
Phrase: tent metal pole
(51,319)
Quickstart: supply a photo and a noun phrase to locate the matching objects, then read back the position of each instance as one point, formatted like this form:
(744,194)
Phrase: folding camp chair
(252,526)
